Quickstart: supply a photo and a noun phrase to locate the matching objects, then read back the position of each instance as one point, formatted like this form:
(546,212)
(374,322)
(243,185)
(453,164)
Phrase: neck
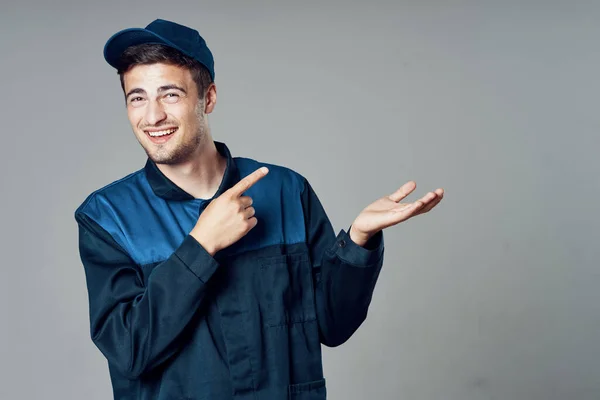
(202,174)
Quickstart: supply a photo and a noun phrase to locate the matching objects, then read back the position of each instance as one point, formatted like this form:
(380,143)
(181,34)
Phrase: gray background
(493,295)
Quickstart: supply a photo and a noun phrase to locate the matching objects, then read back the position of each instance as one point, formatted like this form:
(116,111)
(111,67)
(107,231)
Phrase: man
(211,276)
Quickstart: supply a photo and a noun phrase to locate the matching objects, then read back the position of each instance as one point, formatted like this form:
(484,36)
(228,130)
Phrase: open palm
(388,211)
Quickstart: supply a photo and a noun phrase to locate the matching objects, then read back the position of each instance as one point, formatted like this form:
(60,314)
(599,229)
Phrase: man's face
(165,112)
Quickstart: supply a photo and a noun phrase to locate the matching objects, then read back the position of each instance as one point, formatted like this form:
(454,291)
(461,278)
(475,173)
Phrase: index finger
(404,191)
(247,182)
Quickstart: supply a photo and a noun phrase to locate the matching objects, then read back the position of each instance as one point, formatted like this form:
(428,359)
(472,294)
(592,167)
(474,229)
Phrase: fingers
(252,222)
(430,200)
(249,212)
(245,201)
(404,191)
(247,182)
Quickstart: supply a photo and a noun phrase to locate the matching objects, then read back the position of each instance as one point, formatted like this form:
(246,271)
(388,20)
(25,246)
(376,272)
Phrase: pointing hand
(229,217)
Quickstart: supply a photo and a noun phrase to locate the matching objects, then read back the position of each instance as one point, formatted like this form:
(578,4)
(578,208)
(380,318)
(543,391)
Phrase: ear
(210,98)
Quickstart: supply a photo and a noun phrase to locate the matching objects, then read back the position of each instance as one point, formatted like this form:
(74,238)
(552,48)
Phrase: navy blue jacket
(175,323)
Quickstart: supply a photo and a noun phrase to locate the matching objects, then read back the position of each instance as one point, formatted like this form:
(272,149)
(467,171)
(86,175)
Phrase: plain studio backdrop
(493,295)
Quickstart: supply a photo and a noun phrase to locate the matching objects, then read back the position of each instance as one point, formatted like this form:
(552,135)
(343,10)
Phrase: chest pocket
(287,289)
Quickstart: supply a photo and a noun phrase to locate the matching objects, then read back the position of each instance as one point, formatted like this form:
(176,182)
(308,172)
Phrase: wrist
(359,238)
(204,242)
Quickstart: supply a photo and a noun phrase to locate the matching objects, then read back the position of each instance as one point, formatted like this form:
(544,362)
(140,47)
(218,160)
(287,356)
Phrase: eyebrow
(161,89)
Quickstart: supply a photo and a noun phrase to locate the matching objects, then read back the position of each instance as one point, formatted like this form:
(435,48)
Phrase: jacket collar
(165,188)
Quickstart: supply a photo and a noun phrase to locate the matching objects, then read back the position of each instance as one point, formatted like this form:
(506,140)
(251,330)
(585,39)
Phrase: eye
(171,97)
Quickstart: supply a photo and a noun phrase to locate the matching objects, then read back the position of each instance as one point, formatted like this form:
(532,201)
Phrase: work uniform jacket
(175,322)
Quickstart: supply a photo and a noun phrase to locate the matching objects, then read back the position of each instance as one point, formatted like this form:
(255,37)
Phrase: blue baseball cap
(180,37)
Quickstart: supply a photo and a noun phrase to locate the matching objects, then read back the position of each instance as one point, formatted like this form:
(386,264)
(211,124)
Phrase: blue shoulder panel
(150,228)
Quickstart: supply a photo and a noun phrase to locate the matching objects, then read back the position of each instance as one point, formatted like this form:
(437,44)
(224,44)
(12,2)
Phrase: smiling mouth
(165,132)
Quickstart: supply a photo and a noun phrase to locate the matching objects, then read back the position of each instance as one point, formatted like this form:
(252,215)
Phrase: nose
(155,113)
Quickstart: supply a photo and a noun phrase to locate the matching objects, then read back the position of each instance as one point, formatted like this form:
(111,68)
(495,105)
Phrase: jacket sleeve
(344,272)
(139,325)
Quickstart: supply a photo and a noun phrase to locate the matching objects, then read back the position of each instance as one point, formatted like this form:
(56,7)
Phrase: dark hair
(150,53)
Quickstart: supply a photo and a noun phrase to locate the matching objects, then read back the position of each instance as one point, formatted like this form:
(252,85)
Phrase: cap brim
(117,43)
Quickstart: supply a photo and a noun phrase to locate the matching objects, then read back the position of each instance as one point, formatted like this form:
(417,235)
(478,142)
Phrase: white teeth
(162,133)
